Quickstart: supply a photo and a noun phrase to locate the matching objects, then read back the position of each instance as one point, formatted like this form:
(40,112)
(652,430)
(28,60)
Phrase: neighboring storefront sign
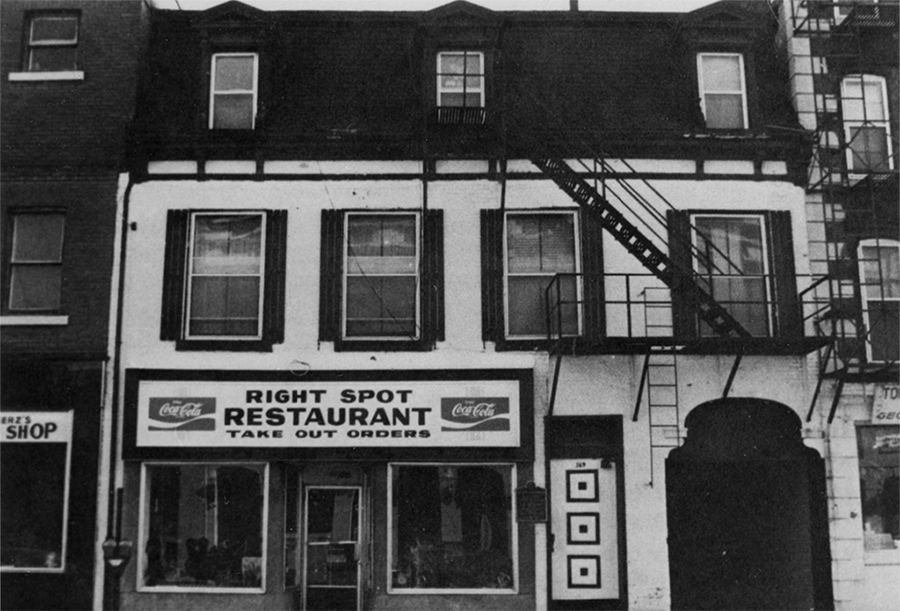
(886,406)
(327,413)
(36,427)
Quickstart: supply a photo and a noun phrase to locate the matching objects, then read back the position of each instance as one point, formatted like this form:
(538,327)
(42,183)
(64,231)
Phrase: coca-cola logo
(182,413)
(475,414)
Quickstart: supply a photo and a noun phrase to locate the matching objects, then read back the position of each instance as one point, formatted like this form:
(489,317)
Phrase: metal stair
(654,259)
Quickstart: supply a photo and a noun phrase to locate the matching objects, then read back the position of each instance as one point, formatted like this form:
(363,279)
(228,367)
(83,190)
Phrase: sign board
(531,504)
(35,427)
(320,414)
(886,407)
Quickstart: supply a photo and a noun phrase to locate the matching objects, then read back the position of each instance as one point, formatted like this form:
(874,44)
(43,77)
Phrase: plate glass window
(36,262)
(460,79)
(879,474)
(866,125)
(52,43)
(452,528)
(731,264)
(723,96)
(203,526)
(538,247)
(382,276)
(879,262)
(233,97)
(225,276)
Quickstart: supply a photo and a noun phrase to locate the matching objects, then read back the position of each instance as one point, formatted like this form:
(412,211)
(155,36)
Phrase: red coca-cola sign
(182,414)
(475,414)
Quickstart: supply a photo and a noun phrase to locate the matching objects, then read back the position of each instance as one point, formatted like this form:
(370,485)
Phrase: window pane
(233,111)
(53,59)
(721,73)
(54,29)
(32,504)
(381,306)
(473,63)
(879,468)
(527,311)
(724,111)
(452,63)
(224,306)
(881,265)
(35,287)
(884,329)
(382,236)
(227,244)
(38,238)
(234,73)
(540,243)
(204,526)
(452,527)
(868,146)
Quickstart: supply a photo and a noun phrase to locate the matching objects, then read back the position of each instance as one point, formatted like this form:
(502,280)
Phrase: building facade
(69,72)
(465,309)
(844,83)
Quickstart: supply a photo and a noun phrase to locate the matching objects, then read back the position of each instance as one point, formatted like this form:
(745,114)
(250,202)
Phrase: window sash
(737,276)
(232,106)
(36,261)
(393,554)
(524,294)
(213,535)
(381,277)
(879,273)
(723,96)
(229,278)
(464,87)
(867,127)
(47,54)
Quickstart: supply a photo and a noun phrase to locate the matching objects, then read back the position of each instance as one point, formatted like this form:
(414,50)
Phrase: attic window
(723,93)
(233,91)
(460,87)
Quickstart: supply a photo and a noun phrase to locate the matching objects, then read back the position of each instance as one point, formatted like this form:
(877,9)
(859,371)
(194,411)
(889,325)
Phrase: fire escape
(853,180)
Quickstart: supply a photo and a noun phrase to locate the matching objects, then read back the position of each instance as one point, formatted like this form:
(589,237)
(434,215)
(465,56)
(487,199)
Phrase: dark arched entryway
(747,513)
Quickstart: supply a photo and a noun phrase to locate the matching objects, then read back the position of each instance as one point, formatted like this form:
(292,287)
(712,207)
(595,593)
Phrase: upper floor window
(233,91)
(223,286)
(381,276)
(879,272)
(866,126)
(723,92)
(52,43)
(538,247)
(460,79)
(36,261)
(732,266)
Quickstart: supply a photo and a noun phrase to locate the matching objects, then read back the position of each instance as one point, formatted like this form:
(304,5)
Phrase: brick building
(67,85)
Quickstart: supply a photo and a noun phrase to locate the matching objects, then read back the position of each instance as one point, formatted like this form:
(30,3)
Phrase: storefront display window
(204,526)
(34,455)
(452,528)
(879,467)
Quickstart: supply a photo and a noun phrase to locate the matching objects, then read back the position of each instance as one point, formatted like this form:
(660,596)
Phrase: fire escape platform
(752,346)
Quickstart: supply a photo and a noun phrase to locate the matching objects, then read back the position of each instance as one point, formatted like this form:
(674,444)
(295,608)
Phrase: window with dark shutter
(382,280)
(223,286)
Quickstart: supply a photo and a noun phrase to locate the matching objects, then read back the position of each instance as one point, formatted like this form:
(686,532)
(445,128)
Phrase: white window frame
(213,93)
(839,16)
(878,243)
(144,530)
(579,291)
(742,91)
(347,273)
(766,255)
(67,418)
(52,42)
(190,277)
(465,89)
(882,122)
(13,263)
(514,532)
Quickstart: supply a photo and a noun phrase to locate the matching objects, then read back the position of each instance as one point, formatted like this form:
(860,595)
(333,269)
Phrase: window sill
(67,75)
(35,320)
(882,557)
(347,345)
(193,345)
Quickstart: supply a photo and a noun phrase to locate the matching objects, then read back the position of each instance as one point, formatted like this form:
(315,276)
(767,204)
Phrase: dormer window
(723,91)
(233,91)
(460,86)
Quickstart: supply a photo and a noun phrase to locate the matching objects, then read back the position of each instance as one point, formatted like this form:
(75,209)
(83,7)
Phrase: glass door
(331,548)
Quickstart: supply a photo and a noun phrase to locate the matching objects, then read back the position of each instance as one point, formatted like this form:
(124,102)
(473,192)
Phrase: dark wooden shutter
(433,277)
(273,299)
(492,325)
(174,275)
(330,275)
(684,319)
(788,318)
(593,285)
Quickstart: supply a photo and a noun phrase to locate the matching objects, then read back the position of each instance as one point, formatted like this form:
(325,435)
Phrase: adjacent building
(67,84)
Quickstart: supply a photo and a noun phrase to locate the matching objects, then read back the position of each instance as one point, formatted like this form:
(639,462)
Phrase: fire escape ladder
(635,242)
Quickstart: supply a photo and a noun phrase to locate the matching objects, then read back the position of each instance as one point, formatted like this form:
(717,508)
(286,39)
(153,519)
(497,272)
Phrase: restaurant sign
(250,414)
